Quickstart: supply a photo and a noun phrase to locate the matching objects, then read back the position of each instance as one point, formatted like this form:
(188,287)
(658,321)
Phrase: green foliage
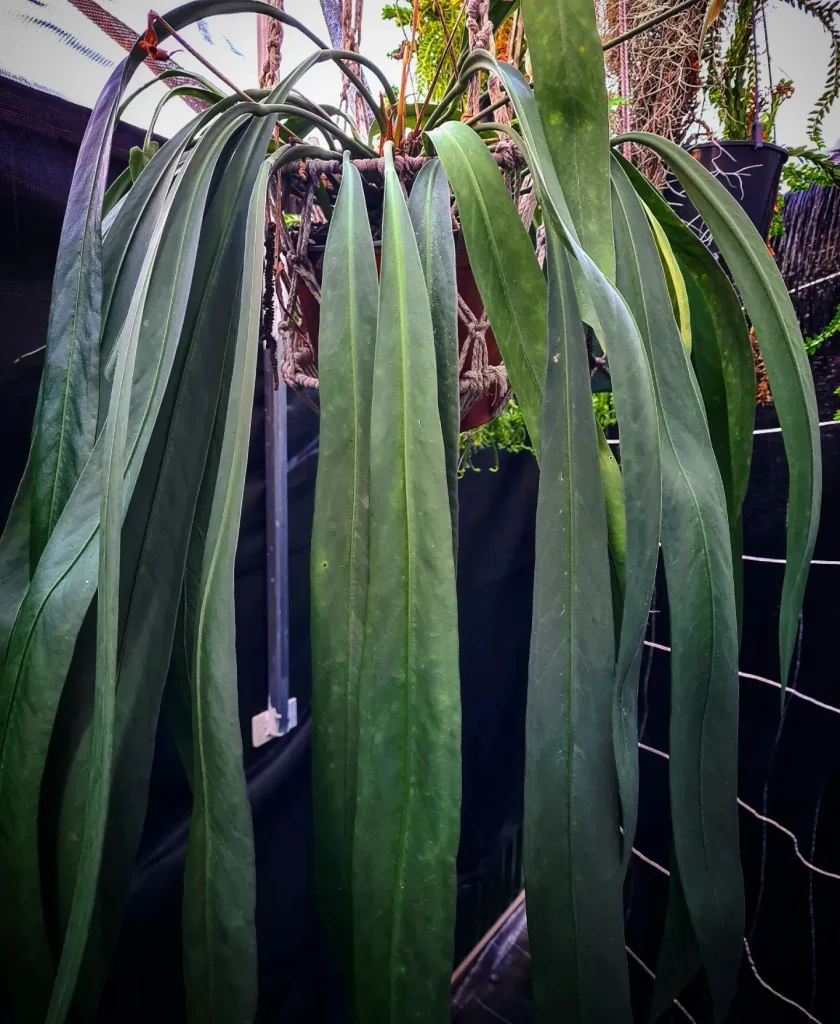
(829,331)
(506,433)
(116,565)
(603,402)
(731,71)
(431,38)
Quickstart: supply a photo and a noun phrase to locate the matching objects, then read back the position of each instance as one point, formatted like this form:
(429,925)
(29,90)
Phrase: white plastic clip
(266,725)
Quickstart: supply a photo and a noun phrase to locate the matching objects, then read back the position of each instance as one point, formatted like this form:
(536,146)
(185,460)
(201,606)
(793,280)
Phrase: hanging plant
(134,485)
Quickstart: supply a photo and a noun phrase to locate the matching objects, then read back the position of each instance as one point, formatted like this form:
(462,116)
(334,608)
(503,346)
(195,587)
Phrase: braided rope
(479,379)
(480,37)
(273,46)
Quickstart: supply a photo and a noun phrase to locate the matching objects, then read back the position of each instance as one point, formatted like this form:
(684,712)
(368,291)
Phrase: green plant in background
(132,497)
(830,329)
(805,168)
(731,69)
(437,19)
(508,433)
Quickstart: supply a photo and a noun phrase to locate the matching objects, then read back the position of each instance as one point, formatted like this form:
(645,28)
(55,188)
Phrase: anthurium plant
(116,565)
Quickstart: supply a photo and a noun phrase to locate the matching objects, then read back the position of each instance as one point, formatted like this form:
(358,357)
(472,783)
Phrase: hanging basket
(750,173)
(484,385)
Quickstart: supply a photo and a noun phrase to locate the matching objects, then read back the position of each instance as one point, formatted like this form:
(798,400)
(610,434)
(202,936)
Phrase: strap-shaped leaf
(339,547)
(704,633)
(428,206)
(632,382)
(503,262)
(409,786)
(721,351)
(156,538)
(113,443)
(565,48)
(771,312)
(679,957)
(572,849)
(65,427)
(55,605)
(220,964)
(65,424)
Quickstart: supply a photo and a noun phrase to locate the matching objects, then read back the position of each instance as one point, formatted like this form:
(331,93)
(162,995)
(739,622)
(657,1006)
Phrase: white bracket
(266,725)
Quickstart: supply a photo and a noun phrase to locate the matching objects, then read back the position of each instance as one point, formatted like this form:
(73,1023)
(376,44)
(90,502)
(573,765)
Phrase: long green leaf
(220,962)
(114,440)
(573,870)
(49,620)
(703,623)
(771,312)
(339,547)
(65,427)
(428,206)
(721,350)
(571,94)
(408,794)
(679,957)
(503,262)
(722,358)
(635,407)
(157,534)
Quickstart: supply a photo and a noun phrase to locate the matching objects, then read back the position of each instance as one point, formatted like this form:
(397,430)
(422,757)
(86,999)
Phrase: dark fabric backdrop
(788,766)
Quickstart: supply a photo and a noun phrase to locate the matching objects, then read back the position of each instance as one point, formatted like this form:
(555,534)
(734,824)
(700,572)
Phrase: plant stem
(650,23)
(486,110)
(198,57)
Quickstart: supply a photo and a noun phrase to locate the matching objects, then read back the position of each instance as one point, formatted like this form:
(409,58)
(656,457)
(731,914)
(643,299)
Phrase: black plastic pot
(749,172)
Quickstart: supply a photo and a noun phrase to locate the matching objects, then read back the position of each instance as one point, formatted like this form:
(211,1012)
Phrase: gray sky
(49,43)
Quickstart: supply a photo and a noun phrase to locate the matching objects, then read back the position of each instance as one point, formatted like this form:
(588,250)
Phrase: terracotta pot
(482,411)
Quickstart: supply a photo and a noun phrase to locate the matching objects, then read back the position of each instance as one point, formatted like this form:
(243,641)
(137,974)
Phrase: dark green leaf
(120,187)
(14,563)
(769,307)
(51,615)
(113,443)
(721,350)
(429,208)
(408,794)
(679,958)
(632,385)
(157,534)
(339,548)
(220,962)
(573,870)
(704,634)
(571,95)
(502,261)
